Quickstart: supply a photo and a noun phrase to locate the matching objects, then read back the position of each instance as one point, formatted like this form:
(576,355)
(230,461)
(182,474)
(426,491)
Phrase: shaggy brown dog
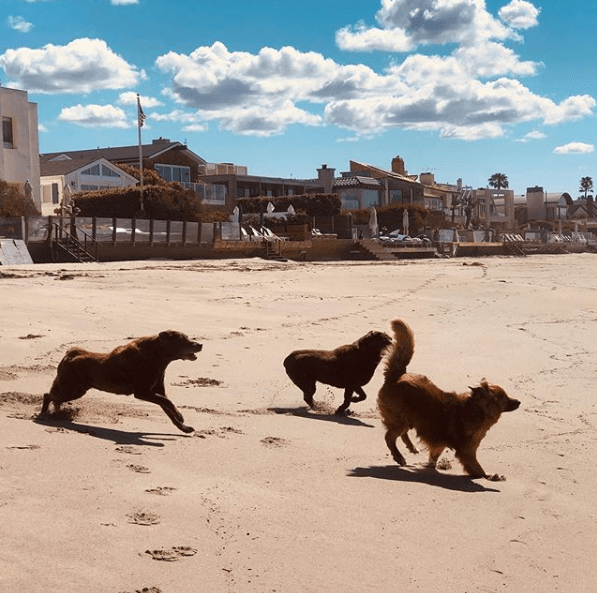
(348,367)
(441,419)
(137,368)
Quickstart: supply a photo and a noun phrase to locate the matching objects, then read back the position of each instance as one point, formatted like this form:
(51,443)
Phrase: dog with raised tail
(348,367)
(442,419)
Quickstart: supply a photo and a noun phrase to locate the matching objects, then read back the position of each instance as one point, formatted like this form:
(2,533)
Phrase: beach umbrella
(405,222)
(290,210)
(270,207)
(234,217)
(373,222)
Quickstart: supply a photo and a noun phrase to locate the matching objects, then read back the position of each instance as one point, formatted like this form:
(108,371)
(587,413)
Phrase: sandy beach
(267,496)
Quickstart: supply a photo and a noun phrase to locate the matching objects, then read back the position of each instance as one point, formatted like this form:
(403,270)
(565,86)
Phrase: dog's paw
(187,429)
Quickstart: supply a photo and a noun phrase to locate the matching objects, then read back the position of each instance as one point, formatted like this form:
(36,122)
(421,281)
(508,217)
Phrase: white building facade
(19,151)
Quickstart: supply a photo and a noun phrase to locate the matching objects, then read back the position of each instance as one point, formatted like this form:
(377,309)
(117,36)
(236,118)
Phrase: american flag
(140,115)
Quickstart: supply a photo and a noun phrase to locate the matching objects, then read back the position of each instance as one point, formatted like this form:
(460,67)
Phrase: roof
(123,153)
(412,179)
(356,180)
(64,167)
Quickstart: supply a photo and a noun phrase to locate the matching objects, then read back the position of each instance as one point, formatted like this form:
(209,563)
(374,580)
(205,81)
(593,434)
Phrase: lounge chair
(270,235)
(317,234)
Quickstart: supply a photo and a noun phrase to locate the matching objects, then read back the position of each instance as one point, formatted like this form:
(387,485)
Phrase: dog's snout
(513,404)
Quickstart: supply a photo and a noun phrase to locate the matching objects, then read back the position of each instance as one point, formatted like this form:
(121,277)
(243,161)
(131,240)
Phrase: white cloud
(130,98)
(82,66)
(520,14)
(406,24)
(262,94)
(362,38)
(18,23)
(575,148)
(533,135)
(93,116)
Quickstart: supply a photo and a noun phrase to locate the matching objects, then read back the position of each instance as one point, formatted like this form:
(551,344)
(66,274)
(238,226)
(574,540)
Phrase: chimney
(398,165)
(326,178)
(427,178)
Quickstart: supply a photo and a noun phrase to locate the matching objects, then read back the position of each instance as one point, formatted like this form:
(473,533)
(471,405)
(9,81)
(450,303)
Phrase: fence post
(133,229)
(151,232)
(114,231)
(94,228)
(184,233)
(168,232)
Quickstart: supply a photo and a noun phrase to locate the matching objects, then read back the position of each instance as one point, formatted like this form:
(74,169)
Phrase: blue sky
(460,88)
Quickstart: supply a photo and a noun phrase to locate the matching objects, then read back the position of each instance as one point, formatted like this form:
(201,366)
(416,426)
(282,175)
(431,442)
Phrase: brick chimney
(398,165)
(325,176)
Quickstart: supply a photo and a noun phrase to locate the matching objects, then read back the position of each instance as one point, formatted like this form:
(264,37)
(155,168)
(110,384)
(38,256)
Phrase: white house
(63,177)
(19,151)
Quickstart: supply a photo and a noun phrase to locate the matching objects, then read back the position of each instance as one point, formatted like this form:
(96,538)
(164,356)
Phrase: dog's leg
(434,454)
(409,444)
(360,397)
(56,396)
(391,437)
(46,403)
(168,407)
(346,403)
(468,458)
(308,393)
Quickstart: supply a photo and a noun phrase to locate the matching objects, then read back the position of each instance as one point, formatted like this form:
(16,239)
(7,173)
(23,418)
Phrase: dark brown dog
(348,367)
(441,419)
(136,368)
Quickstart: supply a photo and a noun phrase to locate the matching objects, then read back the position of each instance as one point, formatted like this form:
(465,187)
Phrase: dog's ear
(167,334)
(482,389)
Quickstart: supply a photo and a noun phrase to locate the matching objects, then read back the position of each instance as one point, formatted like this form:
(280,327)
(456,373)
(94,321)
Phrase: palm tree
(586,185)
(498,181)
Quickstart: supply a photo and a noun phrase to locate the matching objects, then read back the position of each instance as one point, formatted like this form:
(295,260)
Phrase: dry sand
(266,496)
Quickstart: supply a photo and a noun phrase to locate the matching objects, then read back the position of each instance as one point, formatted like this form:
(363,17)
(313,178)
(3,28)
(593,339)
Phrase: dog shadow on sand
(322,412)
(118,437)
(422,475)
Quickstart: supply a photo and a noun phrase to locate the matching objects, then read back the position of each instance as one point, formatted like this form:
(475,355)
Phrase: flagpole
(140,118)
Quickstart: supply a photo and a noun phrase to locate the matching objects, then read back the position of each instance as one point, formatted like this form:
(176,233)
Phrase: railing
(70,242)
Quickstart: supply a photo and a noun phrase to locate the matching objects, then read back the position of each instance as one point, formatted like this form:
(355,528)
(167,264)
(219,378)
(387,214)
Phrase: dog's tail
(400,352)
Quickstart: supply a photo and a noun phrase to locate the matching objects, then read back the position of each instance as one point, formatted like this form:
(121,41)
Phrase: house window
(95,170)
(7,133)
(174,173)
(396,196)
(50,194)
(107,172)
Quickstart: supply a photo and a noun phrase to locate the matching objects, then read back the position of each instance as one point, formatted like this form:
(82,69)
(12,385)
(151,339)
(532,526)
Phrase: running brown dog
(136,368)
(348,367)
(441,419)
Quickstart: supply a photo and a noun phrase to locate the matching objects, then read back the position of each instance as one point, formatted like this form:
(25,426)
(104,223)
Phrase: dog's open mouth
(190,354)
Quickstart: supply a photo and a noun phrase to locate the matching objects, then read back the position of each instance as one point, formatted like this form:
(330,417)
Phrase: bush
(169,201)
(13,202)
(391,216)
(311,204)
